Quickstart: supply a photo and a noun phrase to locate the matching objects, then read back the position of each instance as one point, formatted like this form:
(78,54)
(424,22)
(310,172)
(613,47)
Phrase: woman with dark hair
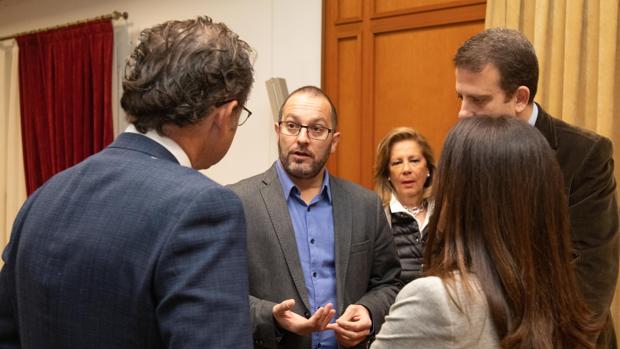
(499,252)
(403,176)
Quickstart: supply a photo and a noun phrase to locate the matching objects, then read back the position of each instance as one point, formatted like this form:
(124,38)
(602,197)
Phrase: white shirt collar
(534,116)
(397,206)
(165,142)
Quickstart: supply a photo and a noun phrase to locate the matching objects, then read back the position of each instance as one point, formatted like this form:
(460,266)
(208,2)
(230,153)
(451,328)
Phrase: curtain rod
(113,16)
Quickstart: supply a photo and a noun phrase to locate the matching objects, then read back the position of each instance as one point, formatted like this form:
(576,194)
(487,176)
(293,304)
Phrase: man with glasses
(323,268)
(134,248)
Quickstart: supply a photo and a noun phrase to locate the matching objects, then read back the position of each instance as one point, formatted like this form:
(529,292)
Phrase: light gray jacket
(425,316)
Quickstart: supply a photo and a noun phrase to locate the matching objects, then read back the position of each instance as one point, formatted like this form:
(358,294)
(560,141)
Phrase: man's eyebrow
(474,95)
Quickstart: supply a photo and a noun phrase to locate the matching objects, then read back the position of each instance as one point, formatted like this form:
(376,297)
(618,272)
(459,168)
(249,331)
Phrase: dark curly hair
(182,69)
(509,51)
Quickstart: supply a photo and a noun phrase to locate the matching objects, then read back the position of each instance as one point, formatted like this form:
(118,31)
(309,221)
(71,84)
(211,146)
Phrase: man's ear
(335,140)
(276,127)
(522,98)
(224,113)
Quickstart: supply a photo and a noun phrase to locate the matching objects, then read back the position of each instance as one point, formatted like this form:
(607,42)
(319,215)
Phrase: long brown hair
(381,172)
(502,216)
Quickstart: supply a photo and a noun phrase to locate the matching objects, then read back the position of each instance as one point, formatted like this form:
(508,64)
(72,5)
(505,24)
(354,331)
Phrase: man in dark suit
(497,73)
(134,248)
(317,245)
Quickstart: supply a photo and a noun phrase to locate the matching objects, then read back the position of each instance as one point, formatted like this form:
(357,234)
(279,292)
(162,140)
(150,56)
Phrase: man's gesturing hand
(353,326)
(295,323)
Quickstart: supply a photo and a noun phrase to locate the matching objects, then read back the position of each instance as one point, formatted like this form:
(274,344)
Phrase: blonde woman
(403,176)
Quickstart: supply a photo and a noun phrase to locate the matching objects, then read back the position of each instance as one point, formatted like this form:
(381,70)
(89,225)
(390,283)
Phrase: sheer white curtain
(12,180)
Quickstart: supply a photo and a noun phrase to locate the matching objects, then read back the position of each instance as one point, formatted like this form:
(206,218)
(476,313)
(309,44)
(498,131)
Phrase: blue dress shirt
(314,232)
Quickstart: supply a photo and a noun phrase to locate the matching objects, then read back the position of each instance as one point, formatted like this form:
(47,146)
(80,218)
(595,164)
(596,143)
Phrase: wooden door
(388,63)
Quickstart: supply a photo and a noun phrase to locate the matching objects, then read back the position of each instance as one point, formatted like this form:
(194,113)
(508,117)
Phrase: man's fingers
(316,317)
(348,338)
(355,319)
(329,315)
(345,333)
(320,318)
(348,313)
(348,341)
(281,308)
(354,326)
(326,315)
(331,326)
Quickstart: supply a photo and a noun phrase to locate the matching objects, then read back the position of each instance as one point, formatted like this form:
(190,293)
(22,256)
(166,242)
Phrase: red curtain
(65,78)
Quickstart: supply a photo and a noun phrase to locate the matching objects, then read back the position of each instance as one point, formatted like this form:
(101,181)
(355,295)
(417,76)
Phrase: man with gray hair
(497,73)
(133,247)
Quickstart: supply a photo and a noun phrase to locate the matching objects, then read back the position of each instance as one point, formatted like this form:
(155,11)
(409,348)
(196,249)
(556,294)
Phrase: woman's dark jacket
(410,245)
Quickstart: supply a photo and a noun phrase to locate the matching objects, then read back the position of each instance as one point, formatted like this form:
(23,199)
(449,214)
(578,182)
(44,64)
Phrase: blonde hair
(383,187)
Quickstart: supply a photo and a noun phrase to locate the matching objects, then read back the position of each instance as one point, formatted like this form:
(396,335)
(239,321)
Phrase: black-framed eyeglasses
(291,128)
(244,116)
(245,112)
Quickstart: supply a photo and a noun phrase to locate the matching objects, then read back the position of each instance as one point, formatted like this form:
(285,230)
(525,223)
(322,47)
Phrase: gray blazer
(425,316)
(367,266)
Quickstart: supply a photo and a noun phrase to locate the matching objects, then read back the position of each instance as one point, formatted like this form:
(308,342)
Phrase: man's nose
(302,136)
(465,112)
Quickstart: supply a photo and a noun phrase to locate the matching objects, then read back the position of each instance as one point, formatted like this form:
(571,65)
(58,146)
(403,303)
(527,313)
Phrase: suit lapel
(273,197)
(343,223)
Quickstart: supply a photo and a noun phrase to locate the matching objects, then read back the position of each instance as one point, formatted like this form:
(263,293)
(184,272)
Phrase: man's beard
(303,170)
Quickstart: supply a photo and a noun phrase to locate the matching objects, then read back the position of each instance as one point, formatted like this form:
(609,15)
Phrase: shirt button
(312,241)
(314,274)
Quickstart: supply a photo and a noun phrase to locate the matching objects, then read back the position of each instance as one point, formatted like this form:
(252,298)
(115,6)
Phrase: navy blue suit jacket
(127,249)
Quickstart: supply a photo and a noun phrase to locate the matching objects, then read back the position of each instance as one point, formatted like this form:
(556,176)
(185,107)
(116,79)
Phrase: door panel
(349,93)
(413,90)
(349,10)
(388,64)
